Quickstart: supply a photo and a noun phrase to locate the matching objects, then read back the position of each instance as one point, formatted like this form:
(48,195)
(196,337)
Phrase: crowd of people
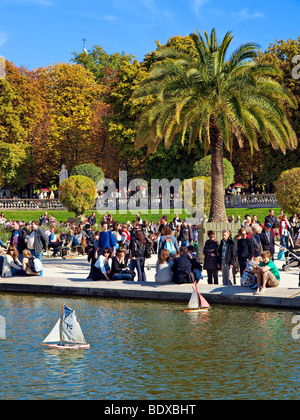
(119,251)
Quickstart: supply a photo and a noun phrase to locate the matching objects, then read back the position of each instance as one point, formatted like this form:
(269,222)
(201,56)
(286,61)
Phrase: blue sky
(37,33)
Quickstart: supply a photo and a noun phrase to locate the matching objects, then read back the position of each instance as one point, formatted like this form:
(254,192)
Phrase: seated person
(164,267)
(267,273)
(53,243)
(26,265)
(182,266)
(102,267)
(11,264)
(197,267)
(119,270)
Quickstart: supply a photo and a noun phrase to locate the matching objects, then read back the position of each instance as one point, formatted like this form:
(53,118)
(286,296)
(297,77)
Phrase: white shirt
(30,243)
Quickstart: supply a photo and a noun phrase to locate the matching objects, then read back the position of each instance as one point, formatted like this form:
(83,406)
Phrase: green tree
(100,63)
(203,168)
(280,54)
(215,99)
(90,170)
(77,194)
(288,191)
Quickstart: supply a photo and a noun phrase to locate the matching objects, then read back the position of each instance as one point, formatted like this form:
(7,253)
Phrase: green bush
(203,168)
(288,191)
(88,169)
(77,194)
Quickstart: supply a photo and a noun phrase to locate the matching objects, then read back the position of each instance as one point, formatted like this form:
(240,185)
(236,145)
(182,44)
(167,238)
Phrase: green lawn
(30,215)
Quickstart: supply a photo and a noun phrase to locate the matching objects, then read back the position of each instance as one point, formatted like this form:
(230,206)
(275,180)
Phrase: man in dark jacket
(185,234)
(18,237)
(226,257)
(37,241)
(267,239)
(271,219)
(245,250)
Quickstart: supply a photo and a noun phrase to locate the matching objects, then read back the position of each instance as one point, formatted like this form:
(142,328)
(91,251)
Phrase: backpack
(256,246)
(169,245)
(35,264)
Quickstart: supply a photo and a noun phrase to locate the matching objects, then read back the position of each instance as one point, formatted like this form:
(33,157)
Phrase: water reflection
(144,350)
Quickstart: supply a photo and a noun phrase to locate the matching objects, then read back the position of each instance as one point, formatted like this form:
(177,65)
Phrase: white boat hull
(196,310)
(68,346)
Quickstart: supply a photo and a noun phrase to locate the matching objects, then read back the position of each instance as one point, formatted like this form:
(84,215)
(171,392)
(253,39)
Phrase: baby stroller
(292,260)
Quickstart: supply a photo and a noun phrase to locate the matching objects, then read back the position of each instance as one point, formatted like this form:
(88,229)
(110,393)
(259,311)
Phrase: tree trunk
(217,208)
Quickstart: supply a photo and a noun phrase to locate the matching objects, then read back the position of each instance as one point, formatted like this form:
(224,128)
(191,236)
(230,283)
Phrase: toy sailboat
(66,334)
(197,302)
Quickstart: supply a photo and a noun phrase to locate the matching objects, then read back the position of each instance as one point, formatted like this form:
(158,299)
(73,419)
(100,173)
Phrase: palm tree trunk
(217,208)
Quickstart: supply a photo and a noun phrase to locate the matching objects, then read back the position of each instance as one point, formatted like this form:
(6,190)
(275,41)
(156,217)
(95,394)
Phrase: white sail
(194,300)
(54,335)
(71,330)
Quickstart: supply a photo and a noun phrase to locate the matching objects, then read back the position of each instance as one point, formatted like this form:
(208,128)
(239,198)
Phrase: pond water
(148,350)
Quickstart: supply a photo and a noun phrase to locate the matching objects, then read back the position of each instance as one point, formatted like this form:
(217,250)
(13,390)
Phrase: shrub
(203,168)
(77,194)
(88,169)
(288,191)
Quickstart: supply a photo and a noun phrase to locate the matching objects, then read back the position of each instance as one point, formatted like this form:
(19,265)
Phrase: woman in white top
(164,267)
(11,263)
(102,267)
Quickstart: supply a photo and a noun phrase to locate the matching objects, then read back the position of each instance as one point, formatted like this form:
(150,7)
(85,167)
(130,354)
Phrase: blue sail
(67,311)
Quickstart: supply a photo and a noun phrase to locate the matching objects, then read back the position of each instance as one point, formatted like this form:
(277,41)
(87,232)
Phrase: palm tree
(204,96)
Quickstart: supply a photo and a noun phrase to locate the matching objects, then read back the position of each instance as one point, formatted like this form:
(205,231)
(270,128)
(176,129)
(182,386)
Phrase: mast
(61,324)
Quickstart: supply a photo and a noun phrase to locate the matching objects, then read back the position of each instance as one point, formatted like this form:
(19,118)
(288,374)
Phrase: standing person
(245,250)
(226,257)
(210,252)
(106,240)
(271,219)
(37,242)
(256,231)
(138,249)
(19,238)
(185,235)
(284,228)
(267,239)
(11,264)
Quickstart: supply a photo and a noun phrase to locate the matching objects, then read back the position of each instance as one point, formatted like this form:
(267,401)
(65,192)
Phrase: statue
(63,174)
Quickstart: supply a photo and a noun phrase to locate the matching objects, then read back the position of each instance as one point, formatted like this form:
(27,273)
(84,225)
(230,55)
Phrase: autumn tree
(72,93)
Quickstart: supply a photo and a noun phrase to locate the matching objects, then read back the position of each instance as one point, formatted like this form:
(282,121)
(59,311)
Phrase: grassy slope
(30,215)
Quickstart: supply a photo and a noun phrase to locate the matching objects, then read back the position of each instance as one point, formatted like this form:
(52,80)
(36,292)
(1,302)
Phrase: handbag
(147,252)
(281,256)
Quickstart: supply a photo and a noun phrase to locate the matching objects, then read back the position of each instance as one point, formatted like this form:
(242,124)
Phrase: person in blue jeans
(37,242)
(119,270)
(138,248)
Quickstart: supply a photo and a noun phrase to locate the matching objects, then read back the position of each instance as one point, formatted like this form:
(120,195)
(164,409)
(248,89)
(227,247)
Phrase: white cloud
(109,17)
(197,4)
(3,38)
(245,14)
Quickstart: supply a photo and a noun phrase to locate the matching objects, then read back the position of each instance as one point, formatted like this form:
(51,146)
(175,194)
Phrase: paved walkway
(68,277)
